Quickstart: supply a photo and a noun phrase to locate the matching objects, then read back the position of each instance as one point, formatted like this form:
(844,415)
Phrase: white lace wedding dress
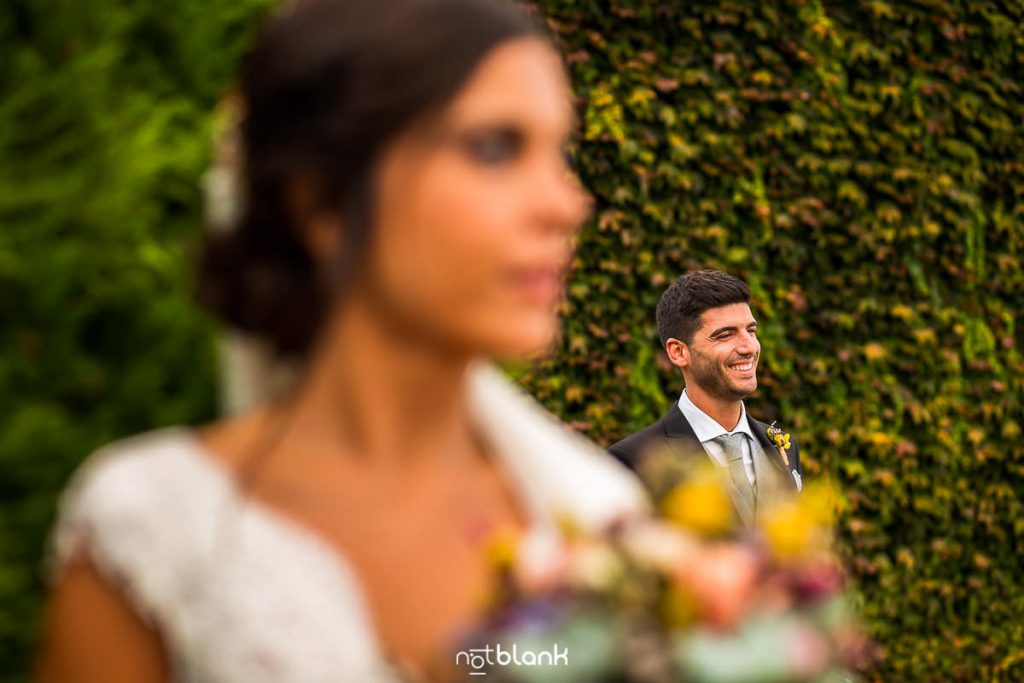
(240,593)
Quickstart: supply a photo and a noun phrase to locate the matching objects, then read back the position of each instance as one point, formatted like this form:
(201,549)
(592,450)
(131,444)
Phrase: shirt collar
(705,427)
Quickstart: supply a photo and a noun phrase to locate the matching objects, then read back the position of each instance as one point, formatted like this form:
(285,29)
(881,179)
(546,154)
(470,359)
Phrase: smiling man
(710,334)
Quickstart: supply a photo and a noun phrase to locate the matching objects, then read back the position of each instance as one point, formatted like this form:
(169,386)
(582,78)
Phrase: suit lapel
(679,434)
(760,430)
(681,438)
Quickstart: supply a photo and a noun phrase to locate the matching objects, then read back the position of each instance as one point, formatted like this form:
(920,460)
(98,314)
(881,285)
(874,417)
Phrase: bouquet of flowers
(692,595)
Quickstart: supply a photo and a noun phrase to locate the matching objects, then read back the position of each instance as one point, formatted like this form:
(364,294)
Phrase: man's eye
(494,147)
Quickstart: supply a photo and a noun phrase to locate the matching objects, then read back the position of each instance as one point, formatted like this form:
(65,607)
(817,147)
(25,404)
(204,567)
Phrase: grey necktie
(745,495)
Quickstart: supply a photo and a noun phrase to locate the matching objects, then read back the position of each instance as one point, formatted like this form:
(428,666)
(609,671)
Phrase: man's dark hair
(686,299)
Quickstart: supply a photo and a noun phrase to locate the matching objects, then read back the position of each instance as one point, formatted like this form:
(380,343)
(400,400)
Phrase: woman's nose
(563,203)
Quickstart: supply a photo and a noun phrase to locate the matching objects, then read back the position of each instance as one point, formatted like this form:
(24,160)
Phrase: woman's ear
(322,237)
(678,353)
(317,228)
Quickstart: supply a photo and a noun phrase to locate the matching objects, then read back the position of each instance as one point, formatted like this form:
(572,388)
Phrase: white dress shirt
(706,429)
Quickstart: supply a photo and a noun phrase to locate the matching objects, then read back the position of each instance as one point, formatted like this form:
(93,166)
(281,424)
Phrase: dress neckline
(308,540)
(535,524)
(166,517)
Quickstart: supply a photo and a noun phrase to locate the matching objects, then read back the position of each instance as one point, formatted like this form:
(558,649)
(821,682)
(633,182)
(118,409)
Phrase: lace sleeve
(124,512)
(237,593)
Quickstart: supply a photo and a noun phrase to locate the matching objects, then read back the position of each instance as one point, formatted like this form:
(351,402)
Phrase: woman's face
(476,212)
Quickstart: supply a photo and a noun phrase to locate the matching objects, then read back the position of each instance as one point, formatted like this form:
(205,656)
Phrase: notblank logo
(479,659)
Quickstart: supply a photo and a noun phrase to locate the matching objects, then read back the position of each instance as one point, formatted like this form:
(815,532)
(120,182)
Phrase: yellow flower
(502,549)
(801,525)
(874,351)
(901,311)
(700,504)
(781,441)
(789,533)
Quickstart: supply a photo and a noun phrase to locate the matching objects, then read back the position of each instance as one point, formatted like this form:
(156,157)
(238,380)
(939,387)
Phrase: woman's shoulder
(141,471)
(137,505)
(560,473)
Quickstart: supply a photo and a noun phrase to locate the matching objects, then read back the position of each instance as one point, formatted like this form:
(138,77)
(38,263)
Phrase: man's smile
(743,368)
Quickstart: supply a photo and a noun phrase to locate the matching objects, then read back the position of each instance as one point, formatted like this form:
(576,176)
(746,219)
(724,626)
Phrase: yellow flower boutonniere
(781,441)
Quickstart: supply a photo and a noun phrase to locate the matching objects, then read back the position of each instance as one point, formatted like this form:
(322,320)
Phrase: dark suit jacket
(674,431)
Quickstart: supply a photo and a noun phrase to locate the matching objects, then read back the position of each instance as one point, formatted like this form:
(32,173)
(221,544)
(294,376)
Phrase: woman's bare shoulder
(93,633)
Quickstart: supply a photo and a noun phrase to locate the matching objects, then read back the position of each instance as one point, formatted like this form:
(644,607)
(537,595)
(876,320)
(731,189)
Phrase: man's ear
(678,353)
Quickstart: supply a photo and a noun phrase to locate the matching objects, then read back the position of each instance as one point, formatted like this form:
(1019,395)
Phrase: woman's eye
(495,147)
(568,159)
(569,150)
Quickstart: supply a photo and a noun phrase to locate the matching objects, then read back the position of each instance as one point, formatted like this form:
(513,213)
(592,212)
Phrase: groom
(709,333)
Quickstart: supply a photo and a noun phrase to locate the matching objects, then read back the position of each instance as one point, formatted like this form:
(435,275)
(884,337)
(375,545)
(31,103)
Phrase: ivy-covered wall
(860,163)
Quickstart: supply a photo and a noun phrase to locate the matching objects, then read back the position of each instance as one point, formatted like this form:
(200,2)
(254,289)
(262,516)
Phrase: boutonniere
(781,441)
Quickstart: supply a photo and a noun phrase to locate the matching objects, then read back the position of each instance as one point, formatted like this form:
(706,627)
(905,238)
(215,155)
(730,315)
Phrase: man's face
(724,353)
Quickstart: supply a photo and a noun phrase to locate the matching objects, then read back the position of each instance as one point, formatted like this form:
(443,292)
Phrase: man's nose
(748,345)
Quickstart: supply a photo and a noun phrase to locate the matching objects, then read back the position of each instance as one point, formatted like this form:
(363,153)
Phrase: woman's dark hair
(684,302)
(326,86)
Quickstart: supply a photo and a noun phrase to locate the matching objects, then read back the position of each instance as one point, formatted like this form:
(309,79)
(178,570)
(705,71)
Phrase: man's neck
(726,413)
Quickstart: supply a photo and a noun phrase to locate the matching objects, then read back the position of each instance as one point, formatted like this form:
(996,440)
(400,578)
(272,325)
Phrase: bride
(409,218)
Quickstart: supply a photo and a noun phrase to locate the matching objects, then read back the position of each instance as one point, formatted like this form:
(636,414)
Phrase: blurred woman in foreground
(408,216)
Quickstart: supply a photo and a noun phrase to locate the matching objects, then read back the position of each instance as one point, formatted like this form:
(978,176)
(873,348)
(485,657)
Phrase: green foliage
(859,163)
(105,121)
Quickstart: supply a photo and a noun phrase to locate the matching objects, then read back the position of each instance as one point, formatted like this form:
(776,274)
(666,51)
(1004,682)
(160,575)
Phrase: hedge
(105,123)
(860,164)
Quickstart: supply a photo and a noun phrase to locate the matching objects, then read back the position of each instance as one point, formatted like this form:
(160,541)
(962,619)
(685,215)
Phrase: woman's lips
(541,286)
